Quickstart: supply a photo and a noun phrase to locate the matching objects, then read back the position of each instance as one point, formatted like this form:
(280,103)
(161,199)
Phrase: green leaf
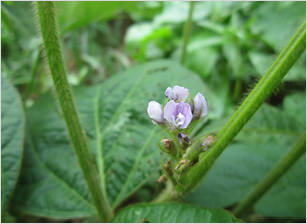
(295,106)
(277,21)
(202,60)
(122,137)
(146,41)
(234,58)
(12,134)
(262,62)
(265,139)
(172,213)
(74,15)
(177,12)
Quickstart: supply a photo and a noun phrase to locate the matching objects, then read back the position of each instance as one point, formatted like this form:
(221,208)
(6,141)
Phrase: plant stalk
(51,40)
(251,104)
(187,32)
(272,177)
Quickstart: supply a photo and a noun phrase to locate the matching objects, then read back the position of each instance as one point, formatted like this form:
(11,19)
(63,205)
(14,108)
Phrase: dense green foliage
(121,55)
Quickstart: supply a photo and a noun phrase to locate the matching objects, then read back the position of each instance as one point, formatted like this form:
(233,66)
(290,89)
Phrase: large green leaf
(265,139)
(278,21)
(122,136)
(172,213)
(12,134)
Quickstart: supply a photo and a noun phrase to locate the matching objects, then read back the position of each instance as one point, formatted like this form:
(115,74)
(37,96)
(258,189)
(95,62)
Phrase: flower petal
(169,93)
(180,93)
(185,110)
(177,93)
(170,112)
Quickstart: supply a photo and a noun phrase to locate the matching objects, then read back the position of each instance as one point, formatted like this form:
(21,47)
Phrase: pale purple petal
(155,111)
(168,93)
(183,109)
(200,106)
(188,115)
(180,93)
(177,93)
(170,112)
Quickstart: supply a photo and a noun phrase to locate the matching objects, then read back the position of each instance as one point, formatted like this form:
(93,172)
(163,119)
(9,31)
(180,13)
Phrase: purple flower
(200,106)
(177,93)
(178,115)
(155,112)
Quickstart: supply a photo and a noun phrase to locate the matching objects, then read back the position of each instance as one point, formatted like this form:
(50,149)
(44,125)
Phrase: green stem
(165,194)
(49,31)
(255,99)
(186,32)
(272,177)
(33,73)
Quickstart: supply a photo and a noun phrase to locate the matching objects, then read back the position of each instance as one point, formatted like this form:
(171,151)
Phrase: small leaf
(172,213)
(12,136)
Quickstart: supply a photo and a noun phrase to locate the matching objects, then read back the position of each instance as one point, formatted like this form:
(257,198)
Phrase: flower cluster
(178,114)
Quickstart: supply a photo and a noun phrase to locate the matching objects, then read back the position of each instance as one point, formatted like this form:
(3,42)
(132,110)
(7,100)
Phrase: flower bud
(200,107)
(167,143)
(168,146)
(155,112)
(183,140)
(207,142)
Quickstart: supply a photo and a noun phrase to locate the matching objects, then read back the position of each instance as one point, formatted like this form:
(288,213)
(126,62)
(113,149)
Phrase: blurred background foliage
(231,46)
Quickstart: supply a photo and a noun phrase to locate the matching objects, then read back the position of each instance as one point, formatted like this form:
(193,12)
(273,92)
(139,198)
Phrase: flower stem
(272,177)
(251,104)
(49,31)
(186,32)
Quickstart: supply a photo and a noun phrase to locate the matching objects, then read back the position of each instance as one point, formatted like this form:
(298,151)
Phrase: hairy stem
(49,31)
(272,177)
(251,104)
(186,32)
